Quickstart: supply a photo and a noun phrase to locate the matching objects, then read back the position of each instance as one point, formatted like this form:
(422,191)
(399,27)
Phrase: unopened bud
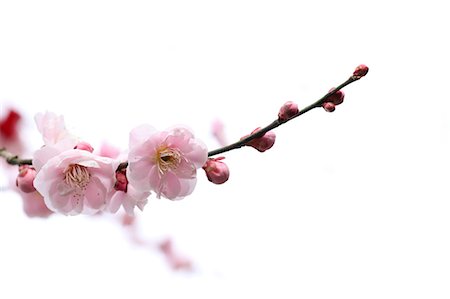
(360,71)
(262,143)
(84,146)
(24,180)
(329,107)
(287,111)
(217,172)
(121,181)
(336,98)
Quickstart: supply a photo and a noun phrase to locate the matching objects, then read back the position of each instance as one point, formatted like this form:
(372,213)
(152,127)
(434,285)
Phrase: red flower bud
(287,111)
(360,71)
(262,143)
(329,107)
(336,98)
(121,181)
(216,171)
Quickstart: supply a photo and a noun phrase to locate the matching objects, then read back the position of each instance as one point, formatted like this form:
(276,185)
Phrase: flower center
(167,159)
(76,176)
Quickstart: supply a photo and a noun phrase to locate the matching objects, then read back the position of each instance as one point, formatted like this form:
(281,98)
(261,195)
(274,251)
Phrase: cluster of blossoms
(72,179)
(69,178)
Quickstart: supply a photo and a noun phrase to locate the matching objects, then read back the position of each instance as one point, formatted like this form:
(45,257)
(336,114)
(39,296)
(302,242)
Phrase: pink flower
(76,181)
(165,162)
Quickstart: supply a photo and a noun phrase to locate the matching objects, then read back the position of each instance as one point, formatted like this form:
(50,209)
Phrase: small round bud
(24,180)
(121,181)
(329,107)
(287,111)
(84,146)
(360,71)
(336,98)
(262,143)
(216,171)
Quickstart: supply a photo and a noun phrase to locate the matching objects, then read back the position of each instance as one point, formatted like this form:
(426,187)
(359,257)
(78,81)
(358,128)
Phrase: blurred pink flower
(218,132)
(76,181)
(165,162)
(108,150)
(51,127)
(56,138)
(34,205)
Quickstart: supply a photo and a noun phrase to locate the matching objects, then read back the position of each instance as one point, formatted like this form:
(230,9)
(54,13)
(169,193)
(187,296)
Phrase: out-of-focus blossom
(165,162)
(9,132)
(25,178)
(262,143)
(287,111)
(218,132)
(76,181)
(8,125)
(110,151)
(56,138)
(176,260)
(34,205)
(51,127)
(216,171)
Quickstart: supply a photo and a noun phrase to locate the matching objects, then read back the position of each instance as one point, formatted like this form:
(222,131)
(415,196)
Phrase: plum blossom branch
(359,72)
(278,122)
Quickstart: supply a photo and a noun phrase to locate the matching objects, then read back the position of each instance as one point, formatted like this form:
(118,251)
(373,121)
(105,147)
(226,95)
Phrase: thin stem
(277,123)
(14,159)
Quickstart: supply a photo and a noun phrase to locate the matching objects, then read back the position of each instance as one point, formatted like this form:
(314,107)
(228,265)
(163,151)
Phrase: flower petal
(170,186)
(95,194)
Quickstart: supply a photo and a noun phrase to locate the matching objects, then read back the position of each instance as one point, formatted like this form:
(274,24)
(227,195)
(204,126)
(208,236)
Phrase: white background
(353,204)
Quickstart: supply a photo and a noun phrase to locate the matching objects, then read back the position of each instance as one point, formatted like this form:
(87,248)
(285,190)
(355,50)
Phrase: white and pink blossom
(76,181)
(165,162)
